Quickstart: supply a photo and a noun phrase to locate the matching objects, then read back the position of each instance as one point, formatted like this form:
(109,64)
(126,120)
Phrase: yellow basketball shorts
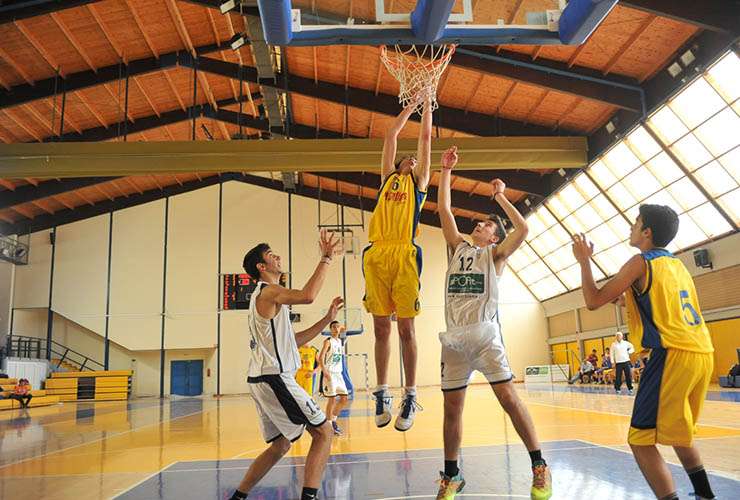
(672,390)
(392,273)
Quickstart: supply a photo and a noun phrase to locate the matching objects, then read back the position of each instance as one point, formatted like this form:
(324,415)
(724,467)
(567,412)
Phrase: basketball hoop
(417,71)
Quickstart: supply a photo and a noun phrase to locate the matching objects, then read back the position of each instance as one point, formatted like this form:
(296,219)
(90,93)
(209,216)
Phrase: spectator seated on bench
(22,393)
(606,367)
(586,373)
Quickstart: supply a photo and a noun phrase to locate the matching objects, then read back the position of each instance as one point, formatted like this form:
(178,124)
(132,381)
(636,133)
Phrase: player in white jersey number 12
(473,338)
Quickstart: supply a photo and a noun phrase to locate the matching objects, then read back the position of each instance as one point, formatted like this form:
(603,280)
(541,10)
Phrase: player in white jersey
(333,386)
(283,407)
(473,338)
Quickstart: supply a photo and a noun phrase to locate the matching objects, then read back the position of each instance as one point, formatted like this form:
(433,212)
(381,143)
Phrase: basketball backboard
(388,22)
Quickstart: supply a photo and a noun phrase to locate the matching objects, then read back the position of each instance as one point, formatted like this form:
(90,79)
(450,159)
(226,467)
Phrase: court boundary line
(716,473)
(623,415)
(147,478)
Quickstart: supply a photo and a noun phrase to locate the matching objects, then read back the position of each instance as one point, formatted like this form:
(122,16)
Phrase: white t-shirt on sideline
(620,351)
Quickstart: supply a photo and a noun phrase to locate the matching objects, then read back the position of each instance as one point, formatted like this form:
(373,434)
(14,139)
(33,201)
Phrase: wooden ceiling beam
(45,121)
(43,207)
(67,120)
(536,106)
(106,32)
(18,68)
(146,96)
(567,112)
(86,102)
(714,15)
(7,184)
(140,25)
(10,113)
(628,44)
(100,190)
(156,181)
(118,188)
(45,55)
(118,100)
(84,198)
(130,182)
(63,202)
(15,11)
(173,89)
(21,210)
(574,57)
(73,40)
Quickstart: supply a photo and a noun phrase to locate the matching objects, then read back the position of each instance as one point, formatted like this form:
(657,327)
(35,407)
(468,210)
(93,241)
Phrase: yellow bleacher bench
(8,404)
(107,385)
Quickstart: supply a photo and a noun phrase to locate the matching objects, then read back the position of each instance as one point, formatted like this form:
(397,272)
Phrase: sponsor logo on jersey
(468,283)
(395,196)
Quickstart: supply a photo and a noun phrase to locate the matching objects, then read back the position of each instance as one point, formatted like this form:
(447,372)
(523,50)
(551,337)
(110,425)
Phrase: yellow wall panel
(726,339)
(590,344)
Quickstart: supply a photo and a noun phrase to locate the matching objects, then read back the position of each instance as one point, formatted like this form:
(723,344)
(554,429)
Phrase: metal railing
(33,347)
(572,360)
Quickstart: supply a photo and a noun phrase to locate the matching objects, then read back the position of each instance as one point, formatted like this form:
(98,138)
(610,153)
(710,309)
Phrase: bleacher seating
(103,385)
(40,396)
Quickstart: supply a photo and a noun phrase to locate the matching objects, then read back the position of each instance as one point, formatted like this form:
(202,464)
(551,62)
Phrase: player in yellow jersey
(309,365)
(664,316)
(392,262)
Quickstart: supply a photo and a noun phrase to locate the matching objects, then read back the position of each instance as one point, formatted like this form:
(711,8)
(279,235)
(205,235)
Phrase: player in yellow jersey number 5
(664,316)
(392,262)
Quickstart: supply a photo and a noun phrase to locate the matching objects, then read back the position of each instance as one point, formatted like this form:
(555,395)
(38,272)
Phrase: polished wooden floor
(109,449)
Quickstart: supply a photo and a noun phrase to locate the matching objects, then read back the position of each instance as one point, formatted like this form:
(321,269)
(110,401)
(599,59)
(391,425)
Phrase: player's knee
(323,432)
(382,332)
(280,446)
(507,397)
(406,332)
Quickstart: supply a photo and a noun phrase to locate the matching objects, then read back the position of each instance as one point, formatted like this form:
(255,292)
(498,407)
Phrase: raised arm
(424,146)
(444,203)
(594,296)
(391,140)
(307,335)
(310,290)
(514,239)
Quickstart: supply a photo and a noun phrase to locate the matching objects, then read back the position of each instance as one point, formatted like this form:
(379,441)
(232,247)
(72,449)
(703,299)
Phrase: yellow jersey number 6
(686,305)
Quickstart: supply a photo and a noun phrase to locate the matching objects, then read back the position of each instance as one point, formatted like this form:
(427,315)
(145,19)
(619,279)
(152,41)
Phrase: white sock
(411,391)
(381,387)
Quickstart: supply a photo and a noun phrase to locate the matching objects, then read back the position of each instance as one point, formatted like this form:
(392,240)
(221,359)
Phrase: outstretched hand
(328,244)
(334,308)
(449,158)
(583,249)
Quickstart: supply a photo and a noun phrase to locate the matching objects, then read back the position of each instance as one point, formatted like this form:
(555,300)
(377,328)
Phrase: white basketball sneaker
(383,401)
(405,418)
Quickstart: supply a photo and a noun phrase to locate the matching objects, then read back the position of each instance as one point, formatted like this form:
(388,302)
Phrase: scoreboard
(237,290)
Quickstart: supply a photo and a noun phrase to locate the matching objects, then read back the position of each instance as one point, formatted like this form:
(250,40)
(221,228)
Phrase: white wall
(250,215)
(137,276)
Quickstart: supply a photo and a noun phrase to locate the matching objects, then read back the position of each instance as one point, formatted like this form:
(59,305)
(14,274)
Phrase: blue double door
(186,377)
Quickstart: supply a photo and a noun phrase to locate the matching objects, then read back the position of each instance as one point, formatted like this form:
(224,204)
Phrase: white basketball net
(417,71)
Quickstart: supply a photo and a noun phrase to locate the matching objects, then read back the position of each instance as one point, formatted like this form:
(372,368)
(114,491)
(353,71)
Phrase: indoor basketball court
(526,209)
